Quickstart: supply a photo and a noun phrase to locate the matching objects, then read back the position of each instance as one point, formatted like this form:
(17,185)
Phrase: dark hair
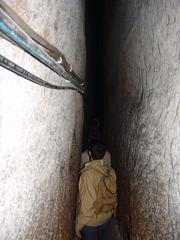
(97,150)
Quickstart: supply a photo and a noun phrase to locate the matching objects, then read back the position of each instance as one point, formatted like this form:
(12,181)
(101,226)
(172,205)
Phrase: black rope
(13,32)
(13,67)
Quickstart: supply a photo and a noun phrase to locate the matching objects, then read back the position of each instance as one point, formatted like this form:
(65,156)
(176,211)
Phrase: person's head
(97,150)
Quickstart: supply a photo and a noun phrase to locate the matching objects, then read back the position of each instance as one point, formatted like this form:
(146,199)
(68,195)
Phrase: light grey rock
(142,73)
(40,129)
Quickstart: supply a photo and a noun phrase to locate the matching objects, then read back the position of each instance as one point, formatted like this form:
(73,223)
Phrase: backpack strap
(104,176)
(107,174)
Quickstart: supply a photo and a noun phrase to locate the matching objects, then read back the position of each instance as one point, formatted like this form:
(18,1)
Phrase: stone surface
(142,43)
(40,129)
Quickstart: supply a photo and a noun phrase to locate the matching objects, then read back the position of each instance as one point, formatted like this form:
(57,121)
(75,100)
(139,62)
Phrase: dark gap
(94,99)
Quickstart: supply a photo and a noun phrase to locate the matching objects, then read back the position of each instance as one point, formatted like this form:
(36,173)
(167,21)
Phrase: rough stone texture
(142,114)
(40,129)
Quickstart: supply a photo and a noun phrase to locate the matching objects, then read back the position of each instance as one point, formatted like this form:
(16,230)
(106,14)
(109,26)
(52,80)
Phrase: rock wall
(40,129)
(142,74)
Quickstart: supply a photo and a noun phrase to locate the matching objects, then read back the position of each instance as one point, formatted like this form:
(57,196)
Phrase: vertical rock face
(40,129)
(142,114)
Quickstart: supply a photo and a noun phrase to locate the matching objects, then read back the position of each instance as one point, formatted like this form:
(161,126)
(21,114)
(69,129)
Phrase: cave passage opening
(96,24)
(94,98)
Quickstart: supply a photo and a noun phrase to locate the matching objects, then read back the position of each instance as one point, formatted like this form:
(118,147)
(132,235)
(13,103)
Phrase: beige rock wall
(40,129)
(142,114)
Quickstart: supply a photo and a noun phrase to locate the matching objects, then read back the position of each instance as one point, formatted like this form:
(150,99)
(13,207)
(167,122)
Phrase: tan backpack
(106,193)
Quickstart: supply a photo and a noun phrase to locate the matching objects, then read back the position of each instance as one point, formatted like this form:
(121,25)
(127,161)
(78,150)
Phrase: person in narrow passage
(97,196)
(94,135)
